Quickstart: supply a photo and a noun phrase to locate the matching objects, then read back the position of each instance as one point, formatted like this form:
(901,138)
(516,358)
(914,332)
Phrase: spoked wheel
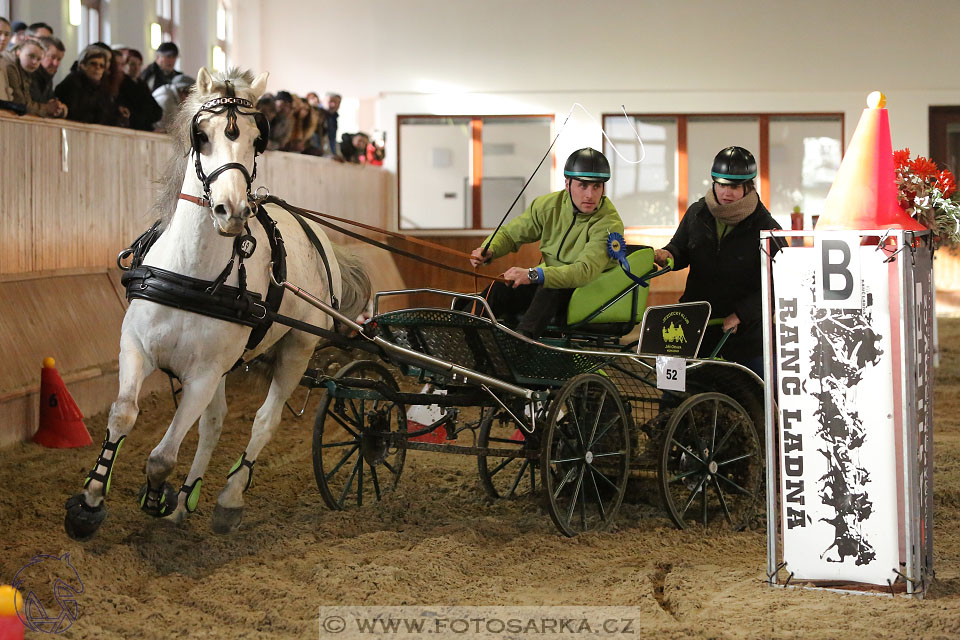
(585,454)
(711,465)
(505,477)
(352,461)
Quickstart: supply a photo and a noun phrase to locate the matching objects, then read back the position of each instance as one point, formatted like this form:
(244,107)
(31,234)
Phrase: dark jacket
(155,77)
(41,86)
(725,274)
(85,100)
(135,96)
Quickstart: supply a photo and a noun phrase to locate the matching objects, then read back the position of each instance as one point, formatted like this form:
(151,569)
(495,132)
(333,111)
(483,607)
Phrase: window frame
(763,124)
(168,24)
(476,152)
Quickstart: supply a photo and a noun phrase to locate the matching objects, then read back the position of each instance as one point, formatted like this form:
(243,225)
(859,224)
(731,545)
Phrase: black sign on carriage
(674,330)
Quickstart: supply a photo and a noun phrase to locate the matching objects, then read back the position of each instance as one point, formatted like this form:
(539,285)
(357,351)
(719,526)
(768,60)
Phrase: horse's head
(226,134)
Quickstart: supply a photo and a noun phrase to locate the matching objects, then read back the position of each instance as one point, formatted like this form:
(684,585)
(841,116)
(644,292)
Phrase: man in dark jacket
(41,87)
(719,239)
(135,96)
(161,71)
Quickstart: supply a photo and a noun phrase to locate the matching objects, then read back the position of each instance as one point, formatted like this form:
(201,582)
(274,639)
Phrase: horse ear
(259,85)
(204,81)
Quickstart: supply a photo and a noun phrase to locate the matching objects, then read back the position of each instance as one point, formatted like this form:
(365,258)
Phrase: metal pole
(766,279)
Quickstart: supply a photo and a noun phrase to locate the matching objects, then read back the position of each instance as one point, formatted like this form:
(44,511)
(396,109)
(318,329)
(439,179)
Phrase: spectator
(376,152)
(281,124)
(135,95)
(333,108)
(170,97)
(304,120)
(353,147)
(41,89)
(313,99)
(80,90)
(110,85)
(19,31)
(18,66)
(161,71)
(267,105)
(5,32)
(39,30)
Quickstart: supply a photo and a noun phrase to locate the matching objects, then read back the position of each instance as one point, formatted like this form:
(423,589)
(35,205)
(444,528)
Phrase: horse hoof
(81,521)
(226,519)
(158,503)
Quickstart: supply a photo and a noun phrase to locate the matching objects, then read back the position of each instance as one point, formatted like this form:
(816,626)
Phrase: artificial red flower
(901,158)
(925,169)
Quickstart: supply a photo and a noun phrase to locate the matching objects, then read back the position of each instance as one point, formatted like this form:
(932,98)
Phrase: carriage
(571,419)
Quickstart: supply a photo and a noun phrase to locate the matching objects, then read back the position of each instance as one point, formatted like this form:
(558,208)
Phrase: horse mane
(172,179)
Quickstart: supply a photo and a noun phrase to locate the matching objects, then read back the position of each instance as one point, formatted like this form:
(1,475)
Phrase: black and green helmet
(734,165)
(587,165)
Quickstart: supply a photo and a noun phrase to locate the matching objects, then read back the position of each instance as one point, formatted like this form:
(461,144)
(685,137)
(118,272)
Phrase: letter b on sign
(838,271)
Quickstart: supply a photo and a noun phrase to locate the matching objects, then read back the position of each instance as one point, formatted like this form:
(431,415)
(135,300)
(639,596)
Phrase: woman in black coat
(719,239)
(81,90)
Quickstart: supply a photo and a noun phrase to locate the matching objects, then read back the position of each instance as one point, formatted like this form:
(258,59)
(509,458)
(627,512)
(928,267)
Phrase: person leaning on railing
(80,90)
(41,87)
(18,66)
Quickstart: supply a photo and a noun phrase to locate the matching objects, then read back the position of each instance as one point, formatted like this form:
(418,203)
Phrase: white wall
(540,56)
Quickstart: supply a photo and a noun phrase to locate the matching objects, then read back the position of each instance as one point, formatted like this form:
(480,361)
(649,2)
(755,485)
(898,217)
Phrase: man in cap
(572,226)
(161,71)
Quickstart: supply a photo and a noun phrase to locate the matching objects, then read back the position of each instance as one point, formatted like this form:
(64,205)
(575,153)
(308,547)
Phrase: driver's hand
(478,257)
(517,276)
(661,256)
(731,322)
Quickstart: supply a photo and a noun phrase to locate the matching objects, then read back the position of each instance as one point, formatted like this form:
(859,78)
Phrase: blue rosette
(617,249)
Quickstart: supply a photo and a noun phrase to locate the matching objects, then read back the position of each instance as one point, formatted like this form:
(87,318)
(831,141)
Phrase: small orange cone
(864,194)
(11,628)
(61,423)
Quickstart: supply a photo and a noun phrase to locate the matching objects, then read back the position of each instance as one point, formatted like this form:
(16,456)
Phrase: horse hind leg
(157,497)
(209,428)
(87,510)
(292,359)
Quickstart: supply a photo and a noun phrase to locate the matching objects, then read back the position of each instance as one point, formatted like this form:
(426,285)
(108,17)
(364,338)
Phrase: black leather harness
(213,298)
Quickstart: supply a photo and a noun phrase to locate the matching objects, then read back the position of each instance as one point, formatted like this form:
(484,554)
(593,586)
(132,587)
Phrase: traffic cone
(864,193)
(11,628)
(61,423)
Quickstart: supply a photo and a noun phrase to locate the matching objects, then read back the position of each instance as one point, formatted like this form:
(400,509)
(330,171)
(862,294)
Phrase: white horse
(219,135)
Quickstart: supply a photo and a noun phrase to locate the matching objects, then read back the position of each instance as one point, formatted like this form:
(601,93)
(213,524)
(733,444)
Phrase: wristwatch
(533,275)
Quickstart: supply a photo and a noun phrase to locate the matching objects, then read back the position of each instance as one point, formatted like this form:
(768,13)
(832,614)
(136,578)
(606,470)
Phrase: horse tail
(355,287)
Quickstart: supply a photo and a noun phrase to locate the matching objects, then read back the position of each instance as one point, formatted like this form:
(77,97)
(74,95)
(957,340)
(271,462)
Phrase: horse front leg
(86,511)
(292,359)
(209,428)
(158,498)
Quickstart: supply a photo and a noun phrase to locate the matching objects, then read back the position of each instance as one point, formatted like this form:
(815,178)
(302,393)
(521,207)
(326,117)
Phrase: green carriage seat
(613,301)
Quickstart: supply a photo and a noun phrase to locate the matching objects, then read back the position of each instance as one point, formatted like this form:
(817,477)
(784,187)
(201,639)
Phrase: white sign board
(838,470)
(837,258)
(671,373)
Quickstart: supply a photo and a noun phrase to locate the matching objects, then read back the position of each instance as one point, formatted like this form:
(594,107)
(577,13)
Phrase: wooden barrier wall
(72,196)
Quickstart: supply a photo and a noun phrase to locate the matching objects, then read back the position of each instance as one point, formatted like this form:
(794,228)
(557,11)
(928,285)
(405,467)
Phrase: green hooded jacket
(574,248)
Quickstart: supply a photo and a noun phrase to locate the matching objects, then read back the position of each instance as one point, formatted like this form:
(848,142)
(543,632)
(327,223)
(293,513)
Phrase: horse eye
(202,138)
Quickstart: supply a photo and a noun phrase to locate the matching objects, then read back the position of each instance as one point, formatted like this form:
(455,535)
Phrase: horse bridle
(231,105)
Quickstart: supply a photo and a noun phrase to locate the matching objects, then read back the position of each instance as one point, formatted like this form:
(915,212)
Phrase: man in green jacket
(572,226)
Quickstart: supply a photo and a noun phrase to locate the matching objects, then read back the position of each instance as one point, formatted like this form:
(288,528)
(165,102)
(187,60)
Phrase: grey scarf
(734,212)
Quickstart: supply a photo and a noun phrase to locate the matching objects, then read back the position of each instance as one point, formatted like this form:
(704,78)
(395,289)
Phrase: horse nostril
(220,209)
(247,212)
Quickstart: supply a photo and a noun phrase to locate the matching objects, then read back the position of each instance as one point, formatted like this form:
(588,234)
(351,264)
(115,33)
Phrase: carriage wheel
(351,463)
(505,477)
(585,455)
(711,464)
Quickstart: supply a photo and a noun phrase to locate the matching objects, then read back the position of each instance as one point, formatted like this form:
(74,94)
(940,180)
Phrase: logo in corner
(50,586)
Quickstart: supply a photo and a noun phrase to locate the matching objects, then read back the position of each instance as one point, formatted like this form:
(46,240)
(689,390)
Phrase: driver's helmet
(587,165)
(734,165)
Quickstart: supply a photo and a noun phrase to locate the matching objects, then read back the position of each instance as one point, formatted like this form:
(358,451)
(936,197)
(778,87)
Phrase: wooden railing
(73,195)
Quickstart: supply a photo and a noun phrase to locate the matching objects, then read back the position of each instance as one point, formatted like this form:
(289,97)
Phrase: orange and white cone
(11,628)
(864,193)
(61,423)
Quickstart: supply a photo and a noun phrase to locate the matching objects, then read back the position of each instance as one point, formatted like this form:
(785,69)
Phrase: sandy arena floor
(437,540)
